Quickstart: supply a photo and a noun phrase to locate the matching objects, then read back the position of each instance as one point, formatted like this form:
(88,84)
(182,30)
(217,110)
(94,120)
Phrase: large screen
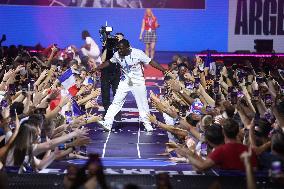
(177,4)
(180,29)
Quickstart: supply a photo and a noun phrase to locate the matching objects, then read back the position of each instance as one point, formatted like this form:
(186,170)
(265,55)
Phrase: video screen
(169,4)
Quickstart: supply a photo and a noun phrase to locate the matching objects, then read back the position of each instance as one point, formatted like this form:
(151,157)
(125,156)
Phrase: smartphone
(209,108)
(234,97)
(7,67)
(196,82)
(4,103)
(217,97)
(268,100)
(31,85)
(230,90)
(255,95)
(173,153)
(240,94)
(216,87)
(61,146)
(282,89)
(203,149)
(218,71)
(259,79)
(12,89)
(68,117)
(189,85)
(83,150)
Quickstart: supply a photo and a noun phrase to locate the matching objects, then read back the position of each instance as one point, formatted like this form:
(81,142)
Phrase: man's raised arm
(157,66)
(103,65)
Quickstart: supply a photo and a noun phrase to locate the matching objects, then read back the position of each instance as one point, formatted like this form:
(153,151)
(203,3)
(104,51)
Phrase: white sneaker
(148,128)
(105,126)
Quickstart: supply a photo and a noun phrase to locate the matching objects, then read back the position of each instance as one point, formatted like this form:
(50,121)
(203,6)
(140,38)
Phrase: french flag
(68,81)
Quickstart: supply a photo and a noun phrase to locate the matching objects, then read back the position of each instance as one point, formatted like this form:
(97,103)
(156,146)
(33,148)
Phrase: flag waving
(68,80)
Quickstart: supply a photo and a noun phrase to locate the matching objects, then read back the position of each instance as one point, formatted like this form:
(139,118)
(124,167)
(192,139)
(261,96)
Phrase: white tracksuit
(134,81)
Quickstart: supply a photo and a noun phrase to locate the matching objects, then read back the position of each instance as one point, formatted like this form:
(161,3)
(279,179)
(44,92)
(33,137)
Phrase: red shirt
(227,156)
(150,23)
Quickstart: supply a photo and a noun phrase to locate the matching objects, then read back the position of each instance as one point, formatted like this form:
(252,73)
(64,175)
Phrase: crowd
(216,115)
(220,116)
(39,123)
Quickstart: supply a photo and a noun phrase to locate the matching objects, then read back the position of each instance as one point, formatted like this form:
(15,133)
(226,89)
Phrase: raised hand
(81,132)
(81,141)
(96,92)
(158,105)
(8,74)
(152,118)
(19,68)
(54,94)
(153,96)
(94,119)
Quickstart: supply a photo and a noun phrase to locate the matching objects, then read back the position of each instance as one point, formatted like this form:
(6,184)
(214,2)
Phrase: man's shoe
(105,126)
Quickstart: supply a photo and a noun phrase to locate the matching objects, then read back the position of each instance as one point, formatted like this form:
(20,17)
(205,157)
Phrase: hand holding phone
(268,100)
(216,87)
(255,95)
(196,82)
(234,97)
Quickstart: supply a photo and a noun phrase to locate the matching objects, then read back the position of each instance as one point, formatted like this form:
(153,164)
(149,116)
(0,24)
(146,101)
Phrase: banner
(260,20)
(176,4)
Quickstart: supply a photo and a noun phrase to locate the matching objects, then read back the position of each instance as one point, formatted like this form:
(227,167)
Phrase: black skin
(124,51)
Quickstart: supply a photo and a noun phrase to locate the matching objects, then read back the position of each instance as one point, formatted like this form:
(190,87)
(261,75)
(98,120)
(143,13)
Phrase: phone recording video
(259,79)
(268,100)
(255,95)
(173,153)
(234,97)
(61,147)
(203,149)
(216,87)
(83,150)
(4,103)
(196,82)
(12,89)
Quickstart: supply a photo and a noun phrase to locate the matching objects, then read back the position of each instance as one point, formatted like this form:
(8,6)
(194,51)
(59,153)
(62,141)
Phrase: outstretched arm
(103,65)
(157,66)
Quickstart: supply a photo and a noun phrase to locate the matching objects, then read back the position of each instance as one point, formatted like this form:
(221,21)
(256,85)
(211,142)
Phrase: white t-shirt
(132,62)
(94,51)
(10,154)
(94,47)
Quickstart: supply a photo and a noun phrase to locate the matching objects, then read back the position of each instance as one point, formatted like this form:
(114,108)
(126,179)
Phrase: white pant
(140,94)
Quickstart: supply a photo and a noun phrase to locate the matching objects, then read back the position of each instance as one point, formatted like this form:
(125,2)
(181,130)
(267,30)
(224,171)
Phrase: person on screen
(149,26)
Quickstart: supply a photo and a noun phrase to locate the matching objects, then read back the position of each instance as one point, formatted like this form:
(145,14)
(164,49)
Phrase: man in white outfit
(131,61)
(90,48)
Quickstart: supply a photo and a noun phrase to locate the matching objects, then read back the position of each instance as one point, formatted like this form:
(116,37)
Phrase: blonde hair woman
(149,25)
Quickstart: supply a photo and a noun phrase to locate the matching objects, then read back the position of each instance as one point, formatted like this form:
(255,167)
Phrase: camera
(109,41)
